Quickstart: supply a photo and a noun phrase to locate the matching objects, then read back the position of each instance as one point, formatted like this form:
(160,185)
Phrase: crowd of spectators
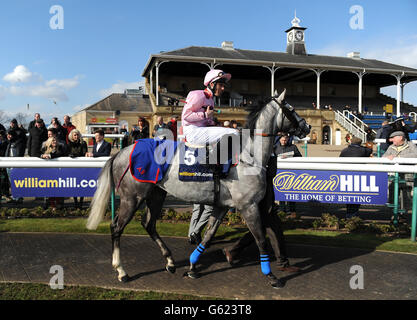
(56,140)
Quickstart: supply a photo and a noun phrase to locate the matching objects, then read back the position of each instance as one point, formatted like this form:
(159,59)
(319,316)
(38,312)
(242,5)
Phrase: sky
(61,56)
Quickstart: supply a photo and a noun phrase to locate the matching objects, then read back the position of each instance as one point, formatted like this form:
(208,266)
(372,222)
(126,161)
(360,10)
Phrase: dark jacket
(3,143)
(61,134)
(125,140)
(20,141)
(36,137)
(355,150)
(77,149)
(58,152)
(137,134)
(172,125)
(104,151)
(159,129)
(11,149)
(279,149)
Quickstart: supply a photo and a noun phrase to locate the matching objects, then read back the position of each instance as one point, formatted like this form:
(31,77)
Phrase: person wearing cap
(401,148)
(197,116)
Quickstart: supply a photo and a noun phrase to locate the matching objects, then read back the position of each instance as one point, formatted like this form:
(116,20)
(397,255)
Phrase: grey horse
(243,188)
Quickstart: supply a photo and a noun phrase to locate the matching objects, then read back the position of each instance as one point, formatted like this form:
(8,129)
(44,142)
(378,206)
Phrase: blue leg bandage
(196,254)
(266,269)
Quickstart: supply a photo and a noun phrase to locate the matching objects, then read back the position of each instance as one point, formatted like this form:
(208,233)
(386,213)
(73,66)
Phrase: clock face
(290,37)
(299,35)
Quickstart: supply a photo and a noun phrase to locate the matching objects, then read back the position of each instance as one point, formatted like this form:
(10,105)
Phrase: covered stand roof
(293,67)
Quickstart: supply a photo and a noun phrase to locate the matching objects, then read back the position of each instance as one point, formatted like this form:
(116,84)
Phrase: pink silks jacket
(193,112)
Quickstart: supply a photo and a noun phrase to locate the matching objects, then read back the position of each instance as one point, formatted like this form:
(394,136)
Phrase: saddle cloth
(151,158)
(194,165)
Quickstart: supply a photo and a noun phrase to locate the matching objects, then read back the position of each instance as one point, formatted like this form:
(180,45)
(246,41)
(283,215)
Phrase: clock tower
(295,38)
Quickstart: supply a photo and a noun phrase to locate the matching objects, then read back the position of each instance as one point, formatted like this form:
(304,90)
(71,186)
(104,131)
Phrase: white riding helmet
(215,75)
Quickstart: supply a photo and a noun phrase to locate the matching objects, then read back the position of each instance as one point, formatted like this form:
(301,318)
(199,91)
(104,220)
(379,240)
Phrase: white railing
(114,136)
(62,162)
(350,126)
(354,119)
(400,165)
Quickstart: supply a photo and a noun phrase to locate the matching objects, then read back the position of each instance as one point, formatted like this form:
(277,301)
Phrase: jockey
(197,116)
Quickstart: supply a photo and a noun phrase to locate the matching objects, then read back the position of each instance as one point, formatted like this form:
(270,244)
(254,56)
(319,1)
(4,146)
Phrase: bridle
(298,123)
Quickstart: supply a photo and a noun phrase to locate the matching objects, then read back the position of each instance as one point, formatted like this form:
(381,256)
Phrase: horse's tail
(101,197)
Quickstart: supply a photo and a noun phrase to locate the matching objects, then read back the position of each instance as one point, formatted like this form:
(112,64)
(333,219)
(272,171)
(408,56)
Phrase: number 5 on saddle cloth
(203,164)
(150,159)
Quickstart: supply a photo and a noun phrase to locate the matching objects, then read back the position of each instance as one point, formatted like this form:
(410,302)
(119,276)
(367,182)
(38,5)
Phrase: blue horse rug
(151,158)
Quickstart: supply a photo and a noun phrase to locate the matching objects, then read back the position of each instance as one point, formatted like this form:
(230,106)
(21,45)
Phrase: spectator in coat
(159,128)
(32,123)
(172,125)
(12,150)
(3,142)
(68,126)
(355,149)
(383,133)
(284,149)
(21,138)
(37,135)
(401,148)
(125,140)
(141,131)
(77,147)
(52,149)
(61,132)
(4,181)
(101,147)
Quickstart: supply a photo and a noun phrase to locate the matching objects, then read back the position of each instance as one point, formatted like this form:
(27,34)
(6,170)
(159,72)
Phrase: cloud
(26,83)
(120,87)
(405,56)
(19,74)
(64,83)
(47,92)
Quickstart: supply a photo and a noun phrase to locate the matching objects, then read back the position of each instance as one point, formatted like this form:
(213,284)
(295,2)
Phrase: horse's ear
(275,93)
(282,96)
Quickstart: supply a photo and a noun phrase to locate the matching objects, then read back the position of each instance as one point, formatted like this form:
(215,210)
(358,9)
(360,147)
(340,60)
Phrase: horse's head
(287,119)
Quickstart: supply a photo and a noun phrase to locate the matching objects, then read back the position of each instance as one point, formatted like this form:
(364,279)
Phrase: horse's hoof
(171,269)
(124,279)
(277,284)
(192,274)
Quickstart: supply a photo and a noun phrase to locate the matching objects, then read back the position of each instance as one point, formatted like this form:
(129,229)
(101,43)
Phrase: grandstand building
(312,82)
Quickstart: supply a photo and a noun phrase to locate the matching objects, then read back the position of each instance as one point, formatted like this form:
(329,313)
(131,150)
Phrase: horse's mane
(254,112)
